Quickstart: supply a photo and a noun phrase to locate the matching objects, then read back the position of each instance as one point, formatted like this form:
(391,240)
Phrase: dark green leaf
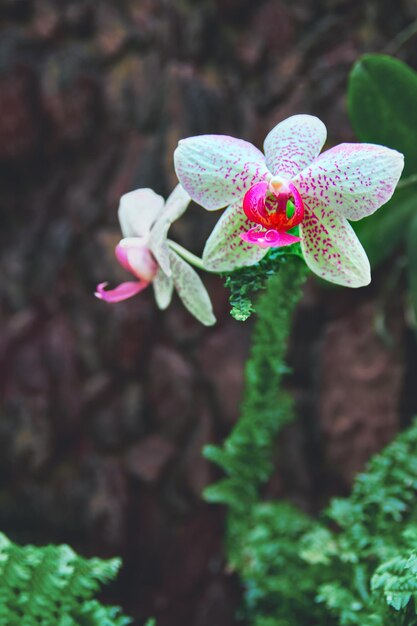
(382,101)
(412,263)
(382,232)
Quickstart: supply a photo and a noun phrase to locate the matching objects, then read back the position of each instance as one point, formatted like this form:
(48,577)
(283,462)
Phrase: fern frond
(372,563)
(53,586)
(397,580)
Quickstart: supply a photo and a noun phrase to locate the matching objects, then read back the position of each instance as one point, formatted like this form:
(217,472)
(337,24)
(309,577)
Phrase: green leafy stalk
(246,455)
(246,283)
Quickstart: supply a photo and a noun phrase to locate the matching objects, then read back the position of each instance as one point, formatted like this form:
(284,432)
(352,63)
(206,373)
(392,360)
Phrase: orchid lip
(268,239)
(124,291)
(271,236)
(265,203)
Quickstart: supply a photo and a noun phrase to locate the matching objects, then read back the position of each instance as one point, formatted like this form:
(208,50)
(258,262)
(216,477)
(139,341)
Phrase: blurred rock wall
(105,408)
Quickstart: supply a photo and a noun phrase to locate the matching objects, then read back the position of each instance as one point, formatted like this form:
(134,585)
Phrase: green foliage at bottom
(53,586)
(354,566)
(370,561)
(279,588)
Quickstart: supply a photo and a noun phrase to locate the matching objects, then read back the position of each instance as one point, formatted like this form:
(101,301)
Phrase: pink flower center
(267,204)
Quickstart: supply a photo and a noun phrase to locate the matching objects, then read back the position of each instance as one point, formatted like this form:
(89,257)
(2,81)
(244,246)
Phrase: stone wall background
(105,409)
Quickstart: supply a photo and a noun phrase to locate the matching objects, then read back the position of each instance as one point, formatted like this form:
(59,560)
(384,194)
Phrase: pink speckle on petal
(331,248)
(354,179)
(216,170)
(293,144)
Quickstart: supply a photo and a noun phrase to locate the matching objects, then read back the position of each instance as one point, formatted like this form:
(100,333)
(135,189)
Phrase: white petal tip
(357,282)
(162,306)
(367,281)
(209,322)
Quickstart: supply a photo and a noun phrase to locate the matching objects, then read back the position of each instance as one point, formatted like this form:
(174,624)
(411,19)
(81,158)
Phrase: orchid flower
(291,185)
(146,253)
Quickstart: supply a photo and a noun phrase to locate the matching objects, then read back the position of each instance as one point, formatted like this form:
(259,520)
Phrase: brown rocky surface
(105,409)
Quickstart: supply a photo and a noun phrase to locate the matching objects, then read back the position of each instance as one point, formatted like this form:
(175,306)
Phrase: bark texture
(105,409)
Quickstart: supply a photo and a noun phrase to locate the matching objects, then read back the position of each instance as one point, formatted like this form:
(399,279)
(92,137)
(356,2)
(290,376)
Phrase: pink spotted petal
(293,144)
(353,179)
(216,170)
(331,248)
(191,290)
(268,238)
(121,292)
(225,250)
(163,286)
(138,210)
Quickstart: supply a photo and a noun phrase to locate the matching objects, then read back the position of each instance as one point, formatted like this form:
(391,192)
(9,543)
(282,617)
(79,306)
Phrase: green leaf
(382,98)
(382,232)
(412,264)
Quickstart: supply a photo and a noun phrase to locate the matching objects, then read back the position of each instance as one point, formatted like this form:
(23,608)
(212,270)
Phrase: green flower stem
(188,256)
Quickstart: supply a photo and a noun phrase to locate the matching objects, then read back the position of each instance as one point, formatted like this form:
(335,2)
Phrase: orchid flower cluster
(289,194)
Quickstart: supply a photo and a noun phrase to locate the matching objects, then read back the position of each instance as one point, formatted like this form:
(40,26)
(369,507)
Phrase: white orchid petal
(293,144)
(191,290)
(175,206)
(331,248)
(354,179)
(225,250)
(138,210)
(163,287)
(158,246)
(217,169)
